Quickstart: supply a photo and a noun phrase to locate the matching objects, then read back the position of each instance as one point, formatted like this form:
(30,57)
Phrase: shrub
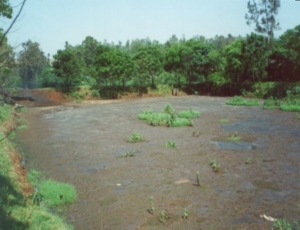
(135,137)
(238,100)
(271,103)
(188,113)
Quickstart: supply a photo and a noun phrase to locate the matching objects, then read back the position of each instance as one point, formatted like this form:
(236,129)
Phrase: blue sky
(52,22)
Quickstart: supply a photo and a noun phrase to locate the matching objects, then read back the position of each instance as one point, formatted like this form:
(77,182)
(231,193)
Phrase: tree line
(222,65)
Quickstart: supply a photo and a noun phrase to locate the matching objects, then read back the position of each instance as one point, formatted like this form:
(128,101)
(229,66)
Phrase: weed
(135,137)
(37,198)
(238,100)
(151,207)
(5,112)
(168,117)
(223,121)
(196,134)
(129,153)
(248,160)
(185,213)
(198,179)
(169,109)
(163,216)
(282,224)
(271,103)
(234,137)
(297,116)
(215,166)
(188,113)
(171,144)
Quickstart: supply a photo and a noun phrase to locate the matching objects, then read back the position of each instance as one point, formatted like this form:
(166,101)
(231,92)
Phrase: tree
(263,15)
(149,62)
(7,76)
(89,47)
(284,61)
(31,62)
(67,67)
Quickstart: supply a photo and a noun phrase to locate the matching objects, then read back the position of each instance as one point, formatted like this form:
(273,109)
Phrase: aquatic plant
(215,166)
(171,144)
(238,100)
(151,207)
(185,213)
(135,137)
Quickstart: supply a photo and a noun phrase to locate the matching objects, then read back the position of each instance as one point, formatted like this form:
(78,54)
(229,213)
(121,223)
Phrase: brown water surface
(83,145)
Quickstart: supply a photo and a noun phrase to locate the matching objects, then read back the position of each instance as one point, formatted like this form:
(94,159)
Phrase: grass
(223,121)
(297,116)
(129,153)
(234,137)
(171,144)
(56,193)
(215,166)
(282,224)
(188,113)
(271,103)
(238,100)
(5,112)
(135,137)
(168,117)
(16,210)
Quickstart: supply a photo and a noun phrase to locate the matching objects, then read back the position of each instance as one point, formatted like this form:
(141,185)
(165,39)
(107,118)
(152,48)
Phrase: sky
(53,22)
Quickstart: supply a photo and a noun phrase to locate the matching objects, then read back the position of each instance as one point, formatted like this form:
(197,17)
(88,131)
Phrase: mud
(84,145)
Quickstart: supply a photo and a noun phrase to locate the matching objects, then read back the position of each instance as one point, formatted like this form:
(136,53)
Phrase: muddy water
(83,145)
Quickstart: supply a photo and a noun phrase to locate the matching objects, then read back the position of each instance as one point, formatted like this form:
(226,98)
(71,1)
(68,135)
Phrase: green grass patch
(223,121)
(5,112)
(283,224)
(57,193)
(171,144)
(290,108)
(16,211)
(135,137)
(234,137)
(20,127)
(238,100)
(188,113)
(271,103)
(168,117)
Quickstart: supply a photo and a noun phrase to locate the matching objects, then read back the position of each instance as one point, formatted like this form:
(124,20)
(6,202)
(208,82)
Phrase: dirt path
(83,145)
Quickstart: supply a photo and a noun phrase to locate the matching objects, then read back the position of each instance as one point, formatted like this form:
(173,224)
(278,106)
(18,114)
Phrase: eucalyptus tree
(31,62)
(263,14)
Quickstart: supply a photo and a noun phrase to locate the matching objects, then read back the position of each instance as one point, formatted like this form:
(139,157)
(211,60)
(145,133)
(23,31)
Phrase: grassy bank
(18,210)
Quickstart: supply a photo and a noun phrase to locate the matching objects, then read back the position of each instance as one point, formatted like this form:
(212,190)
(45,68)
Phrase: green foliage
(129,153)
(163,216)
(271,103)
(169,109)
(215,166)
(5,112)
(185,213)
(171,144)
(56,193)
(238,100)
(283,224)
(168,117)
(67,67)
(31,63)
(223,121)
(188,113)
(234,137)
(263,15)
(297,116)
(95,93)
(135,137)
(151,206)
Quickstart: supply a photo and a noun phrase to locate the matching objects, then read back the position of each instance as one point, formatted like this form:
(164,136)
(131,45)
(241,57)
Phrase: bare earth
(83,145)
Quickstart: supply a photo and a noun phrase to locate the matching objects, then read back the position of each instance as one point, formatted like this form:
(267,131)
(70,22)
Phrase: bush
(188,113)
(271,103)
(238,100)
